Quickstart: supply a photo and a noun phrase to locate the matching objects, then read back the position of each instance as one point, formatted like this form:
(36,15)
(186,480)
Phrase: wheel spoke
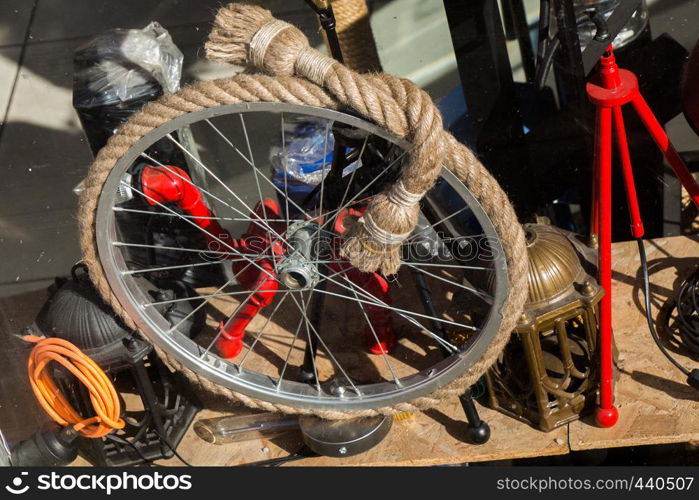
(304,317)
(378,342)
(168,268)
(325,347)
(450,266)
(232,219)
(261,174)
(322,169)
(402,314)
(432,226)
(194,311)
(464,287)
(237,309)
(264,327)
(183,249)
(380,303)
(208,298)
(265,226)
(225,186)
(354,171)
(291,349)
(219,240)
(186,299)
(286,168)
(368,185)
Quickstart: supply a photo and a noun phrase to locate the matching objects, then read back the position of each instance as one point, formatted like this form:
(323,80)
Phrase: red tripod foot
(606,417)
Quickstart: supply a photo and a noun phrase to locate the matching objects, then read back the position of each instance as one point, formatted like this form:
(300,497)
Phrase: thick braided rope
(252,88)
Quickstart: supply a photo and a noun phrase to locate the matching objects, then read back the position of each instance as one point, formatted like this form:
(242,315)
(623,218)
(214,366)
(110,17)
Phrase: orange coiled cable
(103,395)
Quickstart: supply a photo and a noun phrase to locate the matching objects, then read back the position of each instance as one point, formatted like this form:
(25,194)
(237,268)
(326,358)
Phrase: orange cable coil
(103,395)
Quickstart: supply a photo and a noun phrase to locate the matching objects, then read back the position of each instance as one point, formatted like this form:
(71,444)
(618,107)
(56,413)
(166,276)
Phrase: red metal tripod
(612,89)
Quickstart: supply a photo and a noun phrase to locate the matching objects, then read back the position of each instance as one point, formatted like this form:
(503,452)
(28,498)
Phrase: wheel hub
(298,269)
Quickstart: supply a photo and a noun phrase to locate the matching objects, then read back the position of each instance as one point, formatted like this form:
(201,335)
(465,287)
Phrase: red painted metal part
(623,149)
(380,336)
(604,154)
(614,88)
(663,142)
(173,185)
(256,241)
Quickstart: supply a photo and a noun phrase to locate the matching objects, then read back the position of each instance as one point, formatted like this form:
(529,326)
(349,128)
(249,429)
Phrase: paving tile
(20,414)
(58,19)
(14,16)
(8,68)
(43,155)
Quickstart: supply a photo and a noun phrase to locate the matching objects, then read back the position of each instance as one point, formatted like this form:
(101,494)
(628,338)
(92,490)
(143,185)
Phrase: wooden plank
(431,438)
(655,403)
(435,438)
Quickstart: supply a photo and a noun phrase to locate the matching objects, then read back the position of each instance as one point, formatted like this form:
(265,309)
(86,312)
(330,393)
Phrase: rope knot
(248,35)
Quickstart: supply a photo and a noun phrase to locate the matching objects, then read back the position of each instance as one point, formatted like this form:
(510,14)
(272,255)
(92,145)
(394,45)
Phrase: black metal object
(307,372)
(154,427)
(327,22)
(517,28)
(490,96)
(51,446)
(477,431)
(596,47)
(161,409)
(546,169)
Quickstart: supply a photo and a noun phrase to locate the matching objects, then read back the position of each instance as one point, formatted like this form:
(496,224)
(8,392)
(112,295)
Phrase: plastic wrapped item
(117,72)
(303,155)
(632,29)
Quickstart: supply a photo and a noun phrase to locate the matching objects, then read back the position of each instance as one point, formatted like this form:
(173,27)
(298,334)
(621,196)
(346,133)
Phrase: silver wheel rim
(207,364)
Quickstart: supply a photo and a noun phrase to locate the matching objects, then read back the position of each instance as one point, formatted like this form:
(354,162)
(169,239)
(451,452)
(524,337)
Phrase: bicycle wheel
(287,320)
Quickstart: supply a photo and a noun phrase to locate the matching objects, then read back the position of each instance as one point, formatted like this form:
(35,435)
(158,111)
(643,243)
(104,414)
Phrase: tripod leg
(631,198)
(660,137)
(606,414)
(594,207)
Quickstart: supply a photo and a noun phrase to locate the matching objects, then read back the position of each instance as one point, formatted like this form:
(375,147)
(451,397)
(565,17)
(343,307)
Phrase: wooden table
(655,404)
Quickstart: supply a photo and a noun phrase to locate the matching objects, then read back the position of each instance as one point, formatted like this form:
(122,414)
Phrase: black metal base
(478,431)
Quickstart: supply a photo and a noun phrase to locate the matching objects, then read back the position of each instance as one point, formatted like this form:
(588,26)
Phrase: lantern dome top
(554,265)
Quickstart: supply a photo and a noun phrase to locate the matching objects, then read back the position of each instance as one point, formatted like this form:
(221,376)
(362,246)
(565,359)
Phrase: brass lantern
(547,374)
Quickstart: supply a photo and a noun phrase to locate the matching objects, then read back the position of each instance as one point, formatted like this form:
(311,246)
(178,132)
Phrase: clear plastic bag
(305,156)
(123,65)
(118,71)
